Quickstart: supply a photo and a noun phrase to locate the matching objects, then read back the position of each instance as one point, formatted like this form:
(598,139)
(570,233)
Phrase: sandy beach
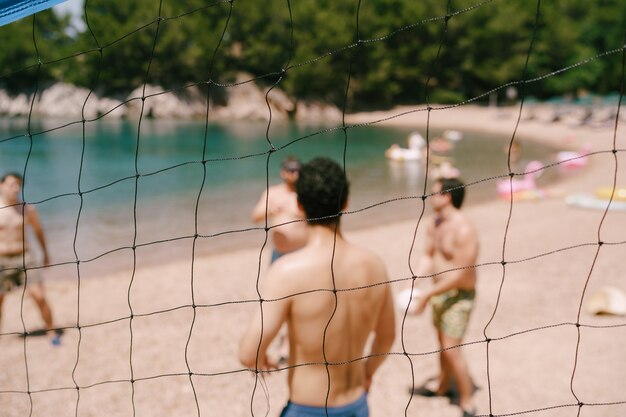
(161,340)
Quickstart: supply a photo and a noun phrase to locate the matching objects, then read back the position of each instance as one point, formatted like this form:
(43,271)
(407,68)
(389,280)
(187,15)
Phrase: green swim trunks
(12,271)
(451,311)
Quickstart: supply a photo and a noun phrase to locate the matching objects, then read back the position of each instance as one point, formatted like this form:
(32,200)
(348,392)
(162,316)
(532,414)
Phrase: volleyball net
(160,338)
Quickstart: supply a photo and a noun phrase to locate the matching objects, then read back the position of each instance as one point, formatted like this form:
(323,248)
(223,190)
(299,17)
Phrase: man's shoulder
(364,258)
(279,188)
(465,229)
(366,253)
(464,222)
(302,262)
(290,268)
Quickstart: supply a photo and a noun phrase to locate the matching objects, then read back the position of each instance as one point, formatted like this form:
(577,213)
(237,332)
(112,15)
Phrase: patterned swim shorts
(451,311)
(12,271)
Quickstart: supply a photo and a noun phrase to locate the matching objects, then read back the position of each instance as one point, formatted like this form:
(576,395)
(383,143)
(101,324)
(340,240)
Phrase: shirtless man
(15,217)
(451,243)
(282,207)
(319,333)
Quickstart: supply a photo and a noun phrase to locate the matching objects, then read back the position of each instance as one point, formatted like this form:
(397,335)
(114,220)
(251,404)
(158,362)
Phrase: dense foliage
(397,51)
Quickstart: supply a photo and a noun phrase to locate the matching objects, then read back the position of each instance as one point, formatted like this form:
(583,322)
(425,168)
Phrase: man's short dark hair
(322,189)
(291,164)
(455,187)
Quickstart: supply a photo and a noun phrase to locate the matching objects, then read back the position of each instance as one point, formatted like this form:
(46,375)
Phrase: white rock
(247,101)
(110,108)
(19,106)
(63,100)
(316,112)
(185,104)
(5,102)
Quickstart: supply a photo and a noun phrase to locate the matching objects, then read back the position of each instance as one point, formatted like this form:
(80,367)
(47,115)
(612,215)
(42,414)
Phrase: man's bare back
(309,314)
(332,295)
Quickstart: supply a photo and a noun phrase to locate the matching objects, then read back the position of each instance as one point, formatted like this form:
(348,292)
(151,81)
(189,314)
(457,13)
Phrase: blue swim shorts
(356,409)
(275,255)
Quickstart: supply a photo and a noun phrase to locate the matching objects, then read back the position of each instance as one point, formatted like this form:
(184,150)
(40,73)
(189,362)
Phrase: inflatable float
(590,201)
(396,153)
(414,152)
(604,193)
(417,145)
(521,187)
(568,160)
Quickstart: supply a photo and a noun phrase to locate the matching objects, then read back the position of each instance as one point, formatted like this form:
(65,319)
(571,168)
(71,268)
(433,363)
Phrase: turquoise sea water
(118,184)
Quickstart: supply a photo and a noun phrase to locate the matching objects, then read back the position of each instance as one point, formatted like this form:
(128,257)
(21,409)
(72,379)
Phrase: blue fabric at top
(11,10)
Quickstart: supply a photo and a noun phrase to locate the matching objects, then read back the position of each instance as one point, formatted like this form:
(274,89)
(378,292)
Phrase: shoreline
(501,123)
(405,118)
(388,213)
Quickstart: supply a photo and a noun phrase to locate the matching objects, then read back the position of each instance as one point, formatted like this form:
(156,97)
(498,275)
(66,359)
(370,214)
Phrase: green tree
(396,51)
(134,51)
(32,40)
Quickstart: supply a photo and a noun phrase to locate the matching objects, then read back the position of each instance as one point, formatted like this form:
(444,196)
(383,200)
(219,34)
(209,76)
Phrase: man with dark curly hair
(332,294)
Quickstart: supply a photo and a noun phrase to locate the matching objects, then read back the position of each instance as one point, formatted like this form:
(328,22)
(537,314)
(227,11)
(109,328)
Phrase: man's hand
(367,383)
(421,303)
(269,365)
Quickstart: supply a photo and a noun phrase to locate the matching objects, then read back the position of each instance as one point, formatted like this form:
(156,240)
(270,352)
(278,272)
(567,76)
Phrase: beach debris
(590,201)
(608,300)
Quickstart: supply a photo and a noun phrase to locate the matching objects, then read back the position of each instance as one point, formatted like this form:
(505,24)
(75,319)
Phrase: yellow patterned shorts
(12,271)
(451,311)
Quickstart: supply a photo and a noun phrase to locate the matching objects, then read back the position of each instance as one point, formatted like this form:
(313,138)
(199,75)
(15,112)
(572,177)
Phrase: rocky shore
(244,100)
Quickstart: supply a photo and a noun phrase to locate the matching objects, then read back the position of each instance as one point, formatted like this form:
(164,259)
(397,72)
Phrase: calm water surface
(118,184)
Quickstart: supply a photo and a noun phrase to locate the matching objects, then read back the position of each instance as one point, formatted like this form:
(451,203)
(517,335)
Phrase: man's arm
(258,213)
(259,334)
(424,266)
(385,333)
(425,261)
(33,220)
